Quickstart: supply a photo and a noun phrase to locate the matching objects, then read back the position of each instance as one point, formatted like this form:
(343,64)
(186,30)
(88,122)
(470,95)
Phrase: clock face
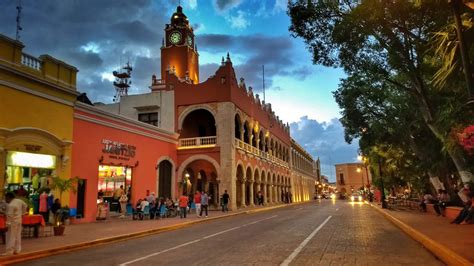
(189,40)
(175,37)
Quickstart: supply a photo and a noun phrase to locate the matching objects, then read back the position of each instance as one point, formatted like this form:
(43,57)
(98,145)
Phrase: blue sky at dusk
(97,36)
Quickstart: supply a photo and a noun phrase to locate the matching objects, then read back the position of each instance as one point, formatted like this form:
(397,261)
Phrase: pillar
(242,185)
(252,198)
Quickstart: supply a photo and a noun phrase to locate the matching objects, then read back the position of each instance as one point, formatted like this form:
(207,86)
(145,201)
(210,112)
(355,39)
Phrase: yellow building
(36,117)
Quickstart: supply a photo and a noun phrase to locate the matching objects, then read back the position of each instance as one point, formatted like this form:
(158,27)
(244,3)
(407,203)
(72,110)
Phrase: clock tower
(178,51)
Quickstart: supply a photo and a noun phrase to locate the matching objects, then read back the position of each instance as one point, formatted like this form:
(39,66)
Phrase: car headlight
(360,198)
(352,198)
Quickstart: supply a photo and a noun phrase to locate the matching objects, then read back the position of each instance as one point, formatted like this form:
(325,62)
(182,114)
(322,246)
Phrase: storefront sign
(117,150)
(25,159)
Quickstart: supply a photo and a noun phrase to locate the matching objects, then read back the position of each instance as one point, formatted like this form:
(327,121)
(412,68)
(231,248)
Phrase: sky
(99,36)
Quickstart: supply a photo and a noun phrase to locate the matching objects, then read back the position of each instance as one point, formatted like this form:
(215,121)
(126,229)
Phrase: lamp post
(359,170)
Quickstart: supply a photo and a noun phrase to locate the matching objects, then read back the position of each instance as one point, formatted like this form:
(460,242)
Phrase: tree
(64,185)
(388,41)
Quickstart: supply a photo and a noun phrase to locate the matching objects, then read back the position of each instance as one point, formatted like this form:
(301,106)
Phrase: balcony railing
(31,61)
(196,143)
(262,154)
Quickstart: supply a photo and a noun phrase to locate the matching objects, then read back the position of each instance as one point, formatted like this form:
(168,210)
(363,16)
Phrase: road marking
(337,209)
(163,251)
(303,244)
(194,241)
(299,209)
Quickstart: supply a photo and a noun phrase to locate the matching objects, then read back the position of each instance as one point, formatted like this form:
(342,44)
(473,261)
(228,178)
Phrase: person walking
(15,210)
(183,205)
(123,205)
(117,194)
(197,203)
(225,201)
(204,203)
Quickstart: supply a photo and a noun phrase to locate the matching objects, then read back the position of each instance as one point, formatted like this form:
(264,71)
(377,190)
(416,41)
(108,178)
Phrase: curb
(101,241)
(444,253)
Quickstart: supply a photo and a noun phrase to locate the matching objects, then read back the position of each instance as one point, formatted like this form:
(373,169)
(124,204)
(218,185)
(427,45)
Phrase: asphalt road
(317,233)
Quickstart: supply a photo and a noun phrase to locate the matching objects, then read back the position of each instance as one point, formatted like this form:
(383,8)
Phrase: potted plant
(62,185)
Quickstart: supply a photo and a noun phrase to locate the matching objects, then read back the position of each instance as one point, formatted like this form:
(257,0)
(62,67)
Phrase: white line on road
(303,244)
(192,242)
(299,209)
(337,209)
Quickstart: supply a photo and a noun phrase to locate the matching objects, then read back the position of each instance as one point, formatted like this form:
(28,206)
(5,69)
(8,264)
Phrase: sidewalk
(78,236)
(458,238)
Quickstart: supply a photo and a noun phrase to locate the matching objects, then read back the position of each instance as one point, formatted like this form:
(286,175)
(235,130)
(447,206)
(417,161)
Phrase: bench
(451,212)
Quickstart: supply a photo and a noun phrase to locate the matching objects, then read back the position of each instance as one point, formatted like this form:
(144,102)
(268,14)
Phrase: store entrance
(28,173)
(113,181)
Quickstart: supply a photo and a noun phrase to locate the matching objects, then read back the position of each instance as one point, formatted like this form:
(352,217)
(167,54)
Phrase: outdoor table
(34,221)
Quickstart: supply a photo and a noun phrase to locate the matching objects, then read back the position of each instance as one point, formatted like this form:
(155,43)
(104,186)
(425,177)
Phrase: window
(149,118)
(341,179)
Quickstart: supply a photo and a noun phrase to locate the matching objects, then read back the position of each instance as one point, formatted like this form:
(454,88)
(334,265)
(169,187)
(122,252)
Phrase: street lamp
(359,170)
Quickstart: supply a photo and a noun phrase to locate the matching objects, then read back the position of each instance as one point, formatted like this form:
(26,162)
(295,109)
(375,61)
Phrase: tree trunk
(455,155)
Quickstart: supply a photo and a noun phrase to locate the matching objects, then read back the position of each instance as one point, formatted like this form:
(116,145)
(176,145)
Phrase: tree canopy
(404,96)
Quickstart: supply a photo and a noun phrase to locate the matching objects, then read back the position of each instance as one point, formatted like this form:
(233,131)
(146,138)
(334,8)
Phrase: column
(265,195)
(252,198)
(242,185)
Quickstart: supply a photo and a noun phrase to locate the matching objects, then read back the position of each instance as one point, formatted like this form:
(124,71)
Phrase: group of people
(466,194)
(200,200)
(155,205)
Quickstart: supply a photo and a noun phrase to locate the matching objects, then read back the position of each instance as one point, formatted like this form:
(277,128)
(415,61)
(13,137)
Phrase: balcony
(259,153)
(31,61)
(197,143)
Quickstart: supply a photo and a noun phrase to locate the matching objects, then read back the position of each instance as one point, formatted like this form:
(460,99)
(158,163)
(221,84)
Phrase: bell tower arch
(178,50)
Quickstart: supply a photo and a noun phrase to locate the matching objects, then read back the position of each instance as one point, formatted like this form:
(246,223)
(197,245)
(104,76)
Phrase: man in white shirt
(15,209)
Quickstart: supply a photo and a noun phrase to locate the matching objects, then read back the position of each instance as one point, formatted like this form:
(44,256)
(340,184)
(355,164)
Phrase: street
(316,233)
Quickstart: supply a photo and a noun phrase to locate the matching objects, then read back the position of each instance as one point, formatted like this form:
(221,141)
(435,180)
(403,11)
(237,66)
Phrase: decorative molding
(121,119)
(70,90)
(112,125)
(36,93)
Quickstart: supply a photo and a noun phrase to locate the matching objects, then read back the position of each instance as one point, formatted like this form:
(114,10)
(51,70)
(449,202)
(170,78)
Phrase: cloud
(225,5)
(326,141)
(239,21)
(256,50)
(192,4)
(95,36)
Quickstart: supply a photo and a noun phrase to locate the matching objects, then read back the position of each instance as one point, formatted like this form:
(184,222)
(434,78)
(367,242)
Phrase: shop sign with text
(118,150)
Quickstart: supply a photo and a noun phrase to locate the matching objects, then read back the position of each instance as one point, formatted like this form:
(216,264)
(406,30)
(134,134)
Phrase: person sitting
(466,214)
(443,200)
(427,198)
(470,215)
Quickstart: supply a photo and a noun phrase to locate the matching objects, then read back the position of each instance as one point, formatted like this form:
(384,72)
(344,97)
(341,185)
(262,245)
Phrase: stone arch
(261,143)
(237,126)
(172,176)
(246,132)
(193,158)
(190,109)
(50,143)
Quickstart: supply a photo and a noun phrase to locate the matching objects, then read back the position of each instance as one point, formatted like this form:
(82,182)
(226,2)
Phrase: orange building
(110,151)
(229,139)
(351,177)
